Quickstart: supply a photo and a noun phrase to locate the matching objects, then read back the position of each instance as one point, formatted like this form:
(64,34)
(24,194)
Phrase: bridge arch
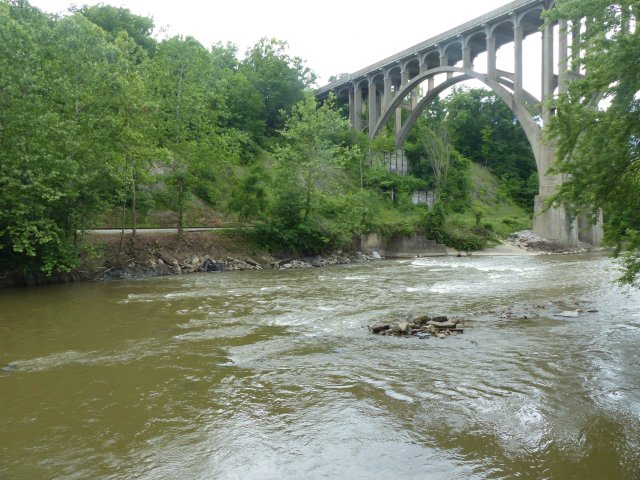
(531,128)
(452,54)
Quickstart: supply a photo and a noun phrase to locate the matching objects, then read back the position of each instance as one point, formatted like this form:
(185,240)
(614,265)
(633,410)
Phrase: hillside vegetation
(103,125)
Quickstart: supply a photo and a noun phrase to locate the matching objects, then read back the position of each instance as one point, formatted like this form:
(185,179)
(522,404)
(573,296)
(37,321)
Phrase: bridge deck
(473,27)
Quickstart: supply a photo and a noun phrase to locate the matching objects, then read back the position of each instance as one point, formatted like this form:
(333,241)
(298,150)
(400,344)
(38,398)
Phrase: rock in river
(422,327)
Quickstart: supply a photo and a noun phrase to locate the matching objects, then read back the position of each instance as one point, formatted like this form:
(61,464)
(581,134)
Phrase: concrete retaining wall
(401,245)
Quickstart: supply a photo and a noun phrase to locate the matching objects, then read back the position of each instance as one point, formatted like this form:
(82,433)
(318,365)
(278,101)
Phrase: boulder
(442,325)
(252,262)
(210,266)
(403,326)
(176,266)
(379,327)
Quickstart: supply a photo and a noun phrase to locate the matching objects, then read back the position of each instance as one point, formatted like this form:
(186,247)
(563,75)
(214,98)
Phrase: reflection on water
(268,375)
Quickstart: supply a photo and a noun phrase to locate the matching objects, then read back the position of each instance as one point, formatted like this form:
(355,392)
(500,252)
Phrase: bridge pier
(384,89)
(555,222)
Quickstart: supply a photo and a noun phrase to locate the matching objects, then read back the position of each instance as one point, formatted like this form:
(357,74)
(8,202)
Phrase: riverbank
(214,251)
(525,242)
(161,253)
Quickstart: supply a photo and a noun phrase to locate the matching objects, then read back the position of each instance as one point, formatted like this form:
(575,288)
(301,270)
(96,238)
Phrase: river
(273,375)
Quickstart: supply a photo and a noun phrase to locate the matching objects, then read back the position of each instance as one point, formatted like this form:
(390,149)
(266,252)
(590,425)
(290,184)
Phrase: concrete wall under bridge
(400,246)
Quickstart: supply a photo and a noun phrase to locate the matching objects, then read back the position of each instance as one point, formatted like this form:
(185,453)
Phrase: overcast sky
(333,36)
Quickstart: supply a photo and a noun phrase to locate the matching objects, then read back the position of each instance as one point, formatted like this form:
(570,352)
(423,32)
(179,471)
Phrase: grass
(499,214)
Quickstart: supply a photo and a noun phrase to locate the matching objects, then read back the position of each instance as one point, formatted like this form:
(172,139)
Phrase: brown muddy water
(273,375)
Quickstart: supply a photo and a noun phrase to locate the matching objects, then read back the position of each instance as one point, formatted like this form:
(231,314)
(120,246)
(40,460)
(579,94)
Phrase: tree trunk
(124,217)
(180,206)
(134,219)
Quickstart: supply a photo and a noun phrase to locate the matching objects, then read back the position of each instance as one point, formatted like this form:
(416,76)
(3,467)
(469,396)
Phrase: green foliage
(484,130)
(249,197)
(89,107)
(598,146)
(456,190)
(452,232)
(191,132)
(383,143)
(52,127)
(343,216)
(390,184)
(311,210)
(435,221)
(96,116)
(464,240)
(116,20)
(279,78)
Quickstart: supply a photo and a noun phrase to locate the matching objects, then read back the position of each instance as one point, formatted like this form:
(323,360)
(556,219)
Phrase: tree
(55,111)
(484,130)
(190,121)
(115,20)
(249,197)
(439,151)
(599,145)
(309,166)
(312,137)
(134,139)
(279,78)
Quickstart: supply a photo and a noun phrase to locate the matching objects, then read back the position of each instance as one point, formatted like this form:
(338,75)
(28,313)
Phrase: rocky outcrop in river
(528,240)
(423,327)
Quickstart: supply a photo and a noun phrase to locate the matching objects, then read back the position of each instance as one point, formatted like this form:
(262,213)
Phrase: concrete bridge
(413,78)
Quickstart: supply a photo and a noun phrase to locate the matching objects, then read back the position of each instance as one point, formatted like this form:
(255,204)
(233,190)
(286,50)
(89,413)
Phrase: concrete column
(444,62)
(357,122)
(373,106)
(547,70)
(563,61)
(466,58)
(352,107)
(404,77)
(491,57)
(518,37)
(552,223)
(431,83)
(388,95)
(575,45)
(590,232)
(406,80)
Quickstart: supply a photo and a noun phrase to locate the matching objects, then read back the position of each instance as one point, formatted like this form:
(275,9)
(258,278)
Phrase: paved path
(148,231)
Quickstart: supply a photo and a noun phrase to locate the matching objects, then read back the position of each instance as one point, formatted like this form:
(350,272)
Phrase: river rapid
(273,374)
